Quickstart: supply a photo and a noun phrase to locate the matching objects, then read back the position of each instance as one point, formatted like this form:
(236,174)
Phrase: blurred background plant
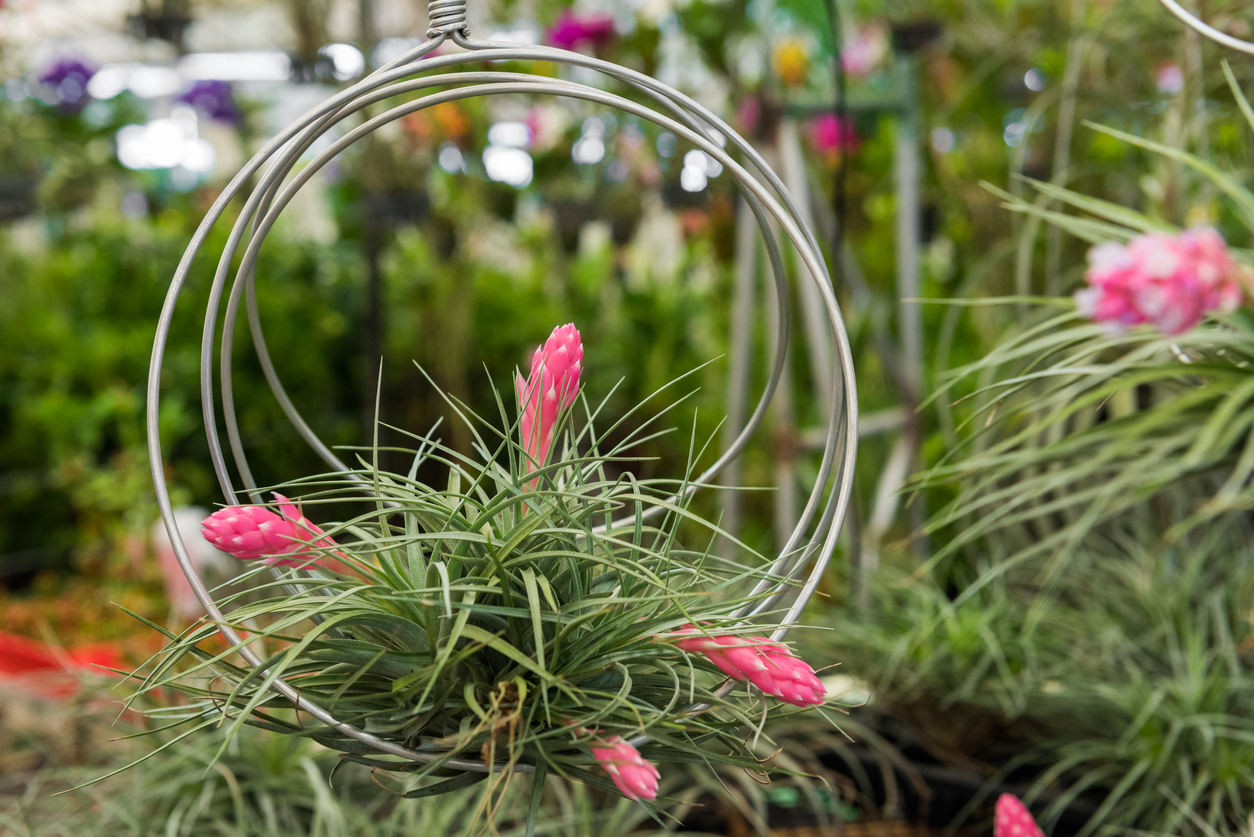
(1082,620)
(1087,639)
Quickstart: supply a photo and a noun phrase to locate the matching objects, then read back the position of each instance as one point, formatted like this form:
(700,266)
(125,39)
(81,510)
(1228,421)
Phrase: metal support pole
(908,164)
(739,356)
(908,233)
(818,341)
(783,415)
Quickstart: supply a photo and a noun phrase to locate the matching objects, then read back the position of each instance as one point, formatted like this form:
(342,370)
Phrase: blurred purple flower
(66,80)
(747,114)
(829,134)
(214,99)
(573,31)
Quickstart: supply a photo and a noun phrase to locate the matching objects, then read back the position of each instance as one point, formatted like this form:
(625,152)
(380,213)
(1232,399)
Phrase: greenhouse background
(1036,219)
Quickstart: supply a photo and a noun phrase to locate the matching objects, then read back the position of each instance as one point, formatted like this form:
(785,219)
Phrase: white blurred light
(667,144)
(46,93)
(71,90)
(165,144)
(943,140)
(510,134)
(109,81)
(508,165)
(199,156)
(148,81)
(1015,133)
(692,179)
(593,127)
(521,33)
(255,65)
(15,89)
(156,145)
(134,205)
(153,82)
(390,49)
(183,179)
(698,159)
(588,150)
(347,62)
(451,159)
(616,170)
(1034,79)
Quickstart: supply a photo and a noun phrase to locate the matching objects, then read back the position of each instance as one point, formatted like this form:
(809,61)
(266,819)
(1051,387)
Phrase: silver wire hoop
(814,538)
(1206,30)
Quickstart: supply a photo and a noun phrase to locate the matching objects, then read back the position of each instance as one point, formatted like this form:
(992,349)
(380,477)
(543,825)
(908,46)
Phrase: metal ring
(814,538)
(1195,23)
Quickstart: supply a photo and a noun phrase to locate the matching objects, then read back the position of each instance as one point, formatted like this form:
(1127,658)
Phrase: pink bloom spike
(632,775)
(548,390)
(254,532)
(1011,819)
(1168,281)
(768,665)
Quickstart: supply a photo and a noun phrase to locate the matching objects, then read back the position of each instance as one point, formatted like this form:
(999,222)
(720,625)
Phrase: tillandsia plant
(1099,496)
(540,610)
(1076,419)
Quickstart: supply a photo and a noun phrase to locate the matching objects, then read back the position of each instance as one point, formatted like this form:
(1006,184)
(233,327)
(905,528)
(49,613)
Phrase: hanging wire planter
(788,581)
(1206,30)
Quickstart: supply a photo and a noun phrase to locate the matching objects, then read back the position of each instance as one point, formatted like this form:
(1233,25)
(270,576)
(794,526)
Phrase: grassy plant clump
(517,616)
(1082,625)
(262,784)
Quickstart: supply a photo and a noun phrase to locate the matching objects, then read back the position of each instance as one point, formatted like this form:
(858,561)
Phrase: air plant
(1100,491)
(538,611)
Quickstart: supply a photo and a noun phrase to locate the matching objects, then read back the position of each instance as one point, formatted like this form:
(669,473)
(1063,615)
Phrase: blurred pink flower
(864,51)
(766,664)
(830,135)
(572,31)
(254,532)
(747,114)
(632,775)
(1169,78)
(548,390)
(1169,281)
(1011,819)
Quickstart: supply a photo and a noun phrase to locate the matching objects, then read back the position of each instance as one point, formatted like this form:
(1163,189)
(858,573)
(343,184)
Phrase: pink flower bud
(632,775)
(254,532)
(766,664)
(550,389)
(1169,281)
(1011,819)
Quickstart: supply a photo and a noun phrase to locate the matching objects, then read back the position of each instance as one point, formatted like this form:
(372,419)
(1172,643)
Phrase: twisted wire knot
(447,17)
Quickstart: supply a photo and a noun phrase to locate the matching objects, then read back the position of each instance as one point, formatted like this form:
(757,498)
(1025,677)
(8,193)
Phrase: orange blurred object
(36,668)
(445,121)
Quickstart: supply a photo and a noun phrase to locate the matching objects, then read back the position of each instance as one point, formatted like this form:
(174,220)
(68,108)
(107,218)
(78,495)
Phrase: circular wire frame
(814,538)
(1206,30)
